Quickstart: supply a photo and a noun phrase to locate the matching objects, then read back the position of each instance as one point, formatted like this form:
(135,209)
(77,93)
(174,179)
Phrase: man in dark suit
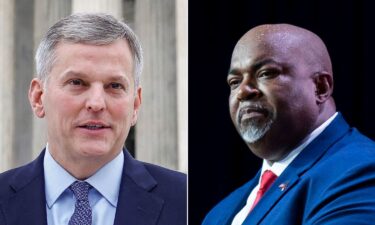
(316,169)
(87,89)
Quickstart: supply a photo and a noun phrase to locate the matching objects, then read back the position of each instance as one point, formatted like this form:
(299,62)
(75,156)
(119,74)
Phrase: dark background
(218,159)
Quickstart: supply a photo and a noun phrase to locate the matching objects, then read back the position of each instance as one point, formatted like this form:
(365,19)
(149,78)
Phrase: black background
(218,159)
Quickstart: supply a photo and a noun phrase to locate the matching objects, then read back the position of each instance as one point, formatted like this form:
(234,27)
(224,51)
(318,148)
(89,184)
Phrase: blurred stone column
(182,82)
(113,7)
(157,127)
(6,83)
(46,13)
(23,73)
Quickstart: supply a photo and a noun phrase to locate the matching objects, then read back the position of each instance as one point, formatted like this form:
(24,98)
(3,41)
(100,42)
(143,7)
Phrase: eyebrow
(118,78)
(255,66)
(70,73)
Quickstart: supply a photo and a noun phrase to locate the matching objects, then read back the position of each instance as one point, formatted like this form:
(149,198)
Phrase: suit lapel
(272,196)
(235,202)
(304,161)
(27,205)
(137,204)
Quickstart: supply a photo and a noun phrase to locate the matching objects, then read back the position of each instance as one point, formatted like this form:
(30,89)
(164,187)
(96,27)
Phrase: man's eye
(233,83)
(116,86)
(268,74)
(76,82)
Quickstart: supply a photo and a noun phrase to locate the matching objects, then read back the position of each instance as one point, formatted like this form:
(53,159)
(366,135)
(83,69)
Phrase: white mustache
(252,107)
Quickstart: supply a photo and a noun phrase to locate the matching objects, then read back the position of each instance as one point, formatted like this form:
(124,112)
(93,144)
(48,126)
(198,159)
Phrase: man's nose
(96,99)
(247,91)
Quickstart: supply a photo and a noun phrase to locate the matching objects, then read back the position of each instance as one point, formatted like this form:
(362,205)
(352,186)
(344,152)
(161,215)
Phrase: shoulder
(170,184)
(149,175)
(340,184)
(352,155)
(17,178)
(337,149)
(5,180)
(356,138)
(352,150)
(10,178)
(165,175)
(226,209)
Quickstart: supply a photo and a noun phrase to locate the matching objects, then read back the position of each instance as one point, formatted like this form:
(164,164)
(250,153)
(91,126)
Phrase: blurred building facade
(160,135)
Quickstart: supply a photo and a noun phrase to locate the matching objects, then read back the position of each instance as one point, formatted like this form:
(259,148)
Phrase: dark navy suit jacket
(149,195)
(332,181)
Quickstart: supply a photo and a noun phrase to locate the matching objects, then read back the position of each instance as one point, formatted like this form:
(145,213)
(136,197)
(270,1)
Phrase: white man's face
(89,101)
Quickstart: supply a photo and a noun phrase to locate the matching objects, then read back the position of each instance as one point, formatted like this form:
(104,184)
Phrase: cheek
(291,99)
(122,111)
(122,116)
(233,106)
(63,108)
(273,95)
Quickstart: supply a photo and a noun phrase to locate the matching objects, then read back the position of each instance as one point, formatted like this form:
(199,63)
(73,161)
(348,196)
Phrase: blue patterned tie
(82,213)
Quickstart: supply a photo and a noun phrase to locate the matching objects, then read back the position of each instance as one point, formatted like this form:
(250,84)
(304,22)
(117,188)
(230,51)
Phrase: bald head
(289,38)
(281,80)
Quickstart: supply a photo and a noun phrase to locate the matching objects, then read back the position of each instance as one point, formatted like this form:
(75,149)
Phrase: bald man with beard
(316,168)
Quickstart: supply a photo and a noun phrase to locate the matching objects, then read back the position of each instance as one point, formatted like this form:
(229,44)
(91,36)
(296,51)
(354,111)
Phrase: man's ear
(323,86)
(35,97)
(137,104)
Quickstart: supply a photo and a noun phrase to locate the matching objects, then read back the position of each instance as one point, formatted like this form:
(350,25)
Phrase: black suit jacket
(149,195)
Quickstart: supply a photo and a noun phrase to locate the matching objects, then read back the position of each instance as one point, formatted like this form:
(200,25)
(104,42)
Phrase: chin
(251,137)
(251,133)
(95,150)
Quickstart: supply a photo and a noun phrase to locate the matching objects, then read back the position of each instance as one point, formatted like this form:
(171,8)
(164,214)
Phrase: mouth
(94,126)
(252,112)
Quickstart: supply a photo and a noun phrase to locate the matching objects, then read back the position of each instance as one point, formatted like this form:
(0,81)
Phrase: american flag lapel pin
(283,186)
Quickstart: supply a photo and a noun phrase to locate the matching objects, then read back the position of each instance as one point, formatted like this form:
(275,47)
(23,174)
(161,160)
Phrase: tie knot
(80,190)
(268,178)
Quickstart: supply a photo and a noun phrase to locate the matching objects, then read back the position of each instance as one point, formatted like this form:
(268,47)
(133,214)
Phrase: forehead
(119,48)
(278,47)
(80,56)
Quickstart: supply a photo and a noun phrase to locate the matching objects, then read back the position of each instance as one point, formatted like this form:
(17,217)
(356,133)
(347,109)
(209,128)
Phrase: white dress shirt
(277,168)
(60,201)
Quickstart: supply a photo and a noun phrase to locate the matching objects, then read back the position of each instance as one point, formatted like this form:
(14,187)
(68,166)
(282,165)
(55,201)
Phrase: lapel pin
(283,186)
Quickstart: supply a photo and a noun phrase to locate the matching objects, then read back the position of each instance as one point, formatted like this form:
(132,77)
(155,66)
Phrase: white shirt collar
(279,166)
(57,179)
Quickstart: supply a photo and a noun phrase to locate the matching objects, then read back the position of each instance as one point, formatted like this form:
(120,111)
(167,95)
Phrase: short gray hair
(87,28)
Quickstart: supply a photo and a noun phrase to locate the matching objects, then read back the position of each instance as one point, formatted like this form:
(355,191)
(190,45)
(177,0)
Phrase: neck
(279,148)
(81,167)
